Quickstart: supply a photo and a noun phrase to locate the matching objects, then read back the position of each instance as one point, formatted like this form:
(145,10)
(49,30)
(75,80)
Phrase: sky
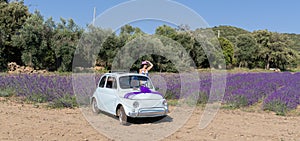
(277,16)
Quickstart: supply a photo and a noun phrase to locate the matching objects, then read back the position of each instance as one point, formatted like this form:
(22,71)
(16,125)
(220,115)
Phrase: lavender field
(277,92)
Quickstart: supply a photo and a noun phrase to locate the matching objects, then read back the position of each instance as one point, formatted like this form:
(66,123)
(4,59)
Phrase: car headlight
(135,104)
(165,102)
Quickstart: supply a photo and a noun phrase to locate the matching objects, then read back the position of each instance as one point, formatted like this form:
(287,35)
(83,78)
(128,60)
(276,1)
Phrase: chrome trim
(149,112)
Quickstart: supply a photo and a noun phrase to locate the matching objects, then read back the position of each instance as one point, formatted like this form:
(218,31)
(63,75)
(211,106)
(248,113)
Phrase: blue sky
(279,16)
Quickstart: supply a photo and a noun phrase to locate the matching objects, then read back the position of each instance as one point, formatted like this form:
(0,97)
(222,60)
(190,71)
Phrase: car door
(99,93)
(109,95)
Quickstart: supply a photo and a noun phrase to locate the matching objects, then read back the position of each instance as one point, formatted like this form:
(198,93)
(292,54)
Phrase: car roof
(119,74)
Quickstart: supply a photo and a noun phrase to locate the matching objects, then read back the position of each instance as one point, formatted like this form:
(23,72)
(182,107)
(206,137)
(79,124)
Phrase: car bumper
(149,112)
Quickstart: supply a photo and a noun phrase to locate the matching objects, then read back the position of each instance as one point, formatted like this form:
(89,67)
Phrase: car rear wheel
(122,116)
(95,108)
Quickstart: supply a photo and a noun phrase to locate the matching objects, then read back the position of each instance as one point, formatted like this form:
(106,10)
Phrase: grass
(295,70)
(172,102)
(238,102)
(241,103)
(6,93)
(294,112)
(278,107)
(36,98)
(239,70)
(202,99)
(256,107)
(66,101)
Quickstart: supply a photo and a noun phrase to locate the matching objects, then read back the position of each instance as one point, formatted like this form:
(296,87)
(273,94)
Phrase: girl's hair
(142,65)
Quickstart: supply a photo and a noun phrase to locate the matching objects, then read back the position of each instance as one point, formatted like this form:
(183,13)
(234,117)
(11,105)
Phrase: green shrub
(36,98)
(237,102)
(66,101)
(202,99)
(6,92)
(169,95)
(173,102)
(276,106)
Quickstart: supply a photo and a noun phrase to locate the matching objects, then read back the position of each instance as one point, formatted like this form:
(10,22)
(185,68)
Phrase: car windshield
(134,81)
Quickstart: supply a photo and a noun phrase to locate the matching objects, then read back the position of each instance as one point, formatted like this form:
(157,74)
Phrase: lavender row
(246,87)
(48,86)
(287,96)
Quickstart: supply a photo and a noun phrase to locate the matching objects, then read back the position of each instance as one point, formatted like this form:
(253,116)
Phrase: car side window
(111,83)
(102,82)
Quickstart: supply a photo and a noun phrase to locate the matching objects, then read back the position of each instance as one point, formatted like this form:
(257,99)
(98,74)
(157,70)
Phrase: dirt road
(19,121)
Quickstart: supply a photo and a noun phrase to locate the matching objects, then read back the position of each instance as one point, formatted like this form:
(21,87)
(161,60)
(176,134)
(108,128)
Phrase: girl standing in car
(145,67)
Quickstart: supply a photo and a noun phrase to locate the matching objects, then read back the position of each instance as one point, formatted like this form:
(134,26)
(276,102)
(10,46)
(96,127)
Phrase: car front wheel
(95,108)
(122,116)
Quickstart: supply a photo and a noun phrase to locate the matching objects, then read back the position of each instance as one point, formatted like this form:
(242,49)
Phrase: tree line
(29,39)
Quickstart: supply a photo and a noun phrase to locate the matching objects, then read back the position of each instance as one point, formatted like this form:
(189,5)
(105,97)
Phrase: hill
(229,32)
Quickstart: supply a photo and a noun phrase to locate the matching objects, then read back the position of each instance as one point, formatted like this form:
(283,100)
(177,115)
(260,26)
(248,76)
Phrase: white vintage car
(128,95)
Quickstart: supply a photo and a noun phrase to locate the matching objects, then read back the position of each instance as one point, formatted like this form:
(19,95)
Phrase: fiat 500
(128,95)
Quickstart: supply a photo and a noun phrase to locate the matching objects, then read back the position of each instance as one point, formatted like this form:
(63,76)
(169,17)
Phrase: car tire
(95,108)
(122,116)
